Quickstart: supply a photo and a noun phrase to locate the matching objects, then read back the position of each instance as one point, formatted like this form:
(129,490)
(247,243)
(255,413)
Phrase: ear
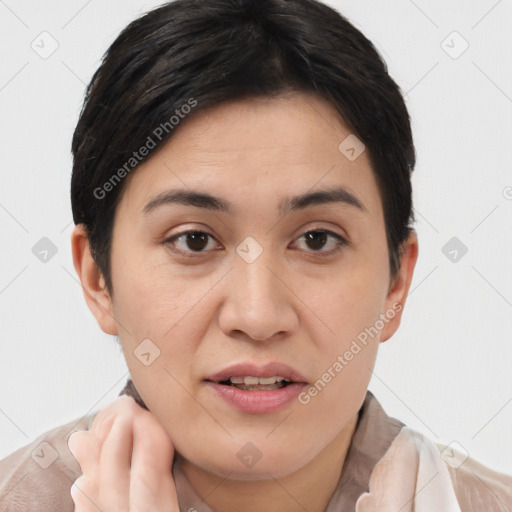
(93,283)
(399,288)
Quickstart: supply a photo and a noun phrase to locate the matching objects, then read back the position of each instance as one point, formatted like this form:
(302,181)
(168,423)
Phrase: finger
(76,442)
(151,483)
(152,446)
(116,450)
(83,496)
(85,445)
(85,448)
(103,422)
(115,460)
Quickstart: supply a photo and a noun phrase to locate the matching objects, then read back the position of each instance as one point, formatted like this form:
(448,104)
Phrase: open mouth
(257,389)
(257,383)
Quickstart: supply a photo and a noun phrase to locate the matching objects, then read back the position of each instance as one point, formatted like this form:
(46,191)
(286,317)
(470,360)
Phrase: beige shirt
(384,457)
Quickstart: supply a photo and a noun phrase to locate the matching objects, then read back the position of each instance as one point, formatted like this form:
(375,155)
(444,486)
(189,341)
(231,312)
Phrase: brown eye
(196,241)
(190,241)
(316,240)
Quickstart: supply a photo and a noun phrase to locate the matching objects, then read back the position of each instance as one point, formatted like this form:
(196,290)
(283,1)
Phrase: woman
(242,199)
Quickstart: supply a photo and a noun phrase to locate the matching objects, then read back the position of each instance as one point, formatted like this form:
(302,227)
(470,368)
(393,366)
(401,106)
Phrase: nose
(259,303)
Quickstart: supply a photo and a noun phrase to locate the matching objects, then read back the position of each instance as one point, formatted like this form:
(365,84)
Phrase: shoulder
(416,474)
(477,487)
(39,475)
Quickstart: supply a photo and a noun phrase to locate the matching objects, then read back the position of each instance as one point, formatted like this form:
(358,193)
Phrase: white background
(447,371)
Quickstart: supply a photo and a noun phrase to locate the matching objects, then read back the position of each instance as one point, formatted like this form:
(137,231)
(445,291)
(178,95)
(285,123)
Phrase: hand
(126,461)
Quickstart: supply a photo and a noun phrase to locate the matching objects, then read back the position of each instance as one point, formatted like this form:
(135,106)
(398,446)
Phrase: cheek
(347,304)
(150,299)
(348,350)
(348,335)
(344,357)
(163,319)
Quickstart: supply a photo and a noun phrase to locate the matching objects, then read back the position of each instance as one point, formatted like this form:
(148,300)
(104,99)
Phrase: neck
(310,488)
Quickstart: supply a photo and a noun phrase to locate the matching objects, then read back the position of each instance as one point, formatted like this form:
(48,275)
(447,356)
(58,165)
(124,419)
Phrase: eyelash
(341,242)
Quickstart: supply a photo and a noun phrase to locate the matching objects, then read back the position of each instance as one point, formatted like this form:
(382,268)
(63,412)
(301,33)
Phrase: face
(253,278)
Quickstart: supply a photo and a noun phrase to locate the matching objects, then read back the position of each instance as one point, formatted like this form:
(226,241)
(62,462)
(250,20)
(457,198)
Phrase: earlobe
(93,283)
(397,295)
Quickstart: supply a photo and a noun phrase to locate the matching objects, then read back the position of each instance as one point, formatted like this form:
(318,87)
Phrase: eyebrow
(205,200)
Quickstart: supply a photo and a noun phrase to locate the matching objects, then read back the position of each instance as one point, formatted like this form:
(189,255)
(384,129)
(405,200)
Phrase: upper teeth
(257,380)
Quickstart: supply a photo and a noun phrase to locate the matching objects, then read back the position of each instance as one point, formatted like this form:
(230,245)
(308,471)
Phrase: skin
(208,310)
(125,459)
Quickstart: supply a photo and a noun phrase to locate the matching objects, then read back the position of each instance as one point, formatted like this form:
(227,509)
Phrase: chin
(243,460)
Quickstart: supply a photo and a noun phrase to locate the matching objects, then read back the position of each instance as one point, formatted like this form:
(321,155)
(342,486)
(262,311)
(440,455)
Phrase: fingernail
(71,442)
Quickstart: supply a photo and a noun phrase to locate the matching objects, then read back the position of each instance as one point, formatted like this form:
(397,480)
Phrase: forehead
(257,148)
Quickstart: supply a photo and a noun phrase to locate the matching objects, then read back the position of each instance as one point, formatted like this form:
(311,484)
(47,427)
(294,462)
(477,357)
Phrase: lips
(244,387)
(272,369)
